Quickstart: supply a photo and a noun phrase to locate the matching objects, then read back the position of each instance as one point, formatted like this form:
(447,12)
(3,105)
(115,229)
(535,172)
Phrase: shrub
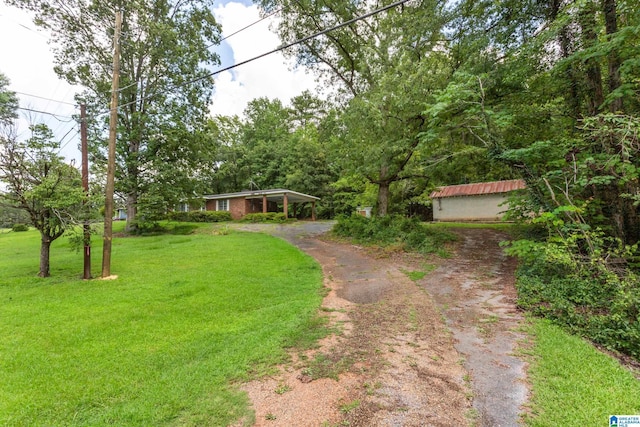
(200,216)
(265,217)
(178,216)
(20,227)
(589,295)
(409,233)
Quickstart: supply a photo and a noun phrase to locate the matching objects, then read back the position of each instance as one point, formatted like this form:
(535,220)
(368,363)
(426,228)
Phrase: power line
(302,40)
(55,116)
(278,49)
(46,99)
(24,26)
(219,41)
(71,139)
(247,26)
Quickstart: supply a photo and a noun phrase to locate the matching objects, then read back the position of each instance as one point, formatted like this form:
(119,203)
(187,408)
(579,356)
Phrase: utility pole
(111,162)
(85,184)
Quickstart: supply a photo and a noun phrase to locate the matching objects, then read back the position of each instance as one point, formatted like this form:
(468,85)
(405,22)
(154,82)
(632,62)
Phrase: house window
(183,207)
(223,205)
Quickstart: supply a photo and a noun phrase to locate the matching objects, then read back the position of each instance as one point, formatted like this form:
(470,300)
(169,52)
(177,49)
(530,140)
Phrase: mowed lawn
(164,344)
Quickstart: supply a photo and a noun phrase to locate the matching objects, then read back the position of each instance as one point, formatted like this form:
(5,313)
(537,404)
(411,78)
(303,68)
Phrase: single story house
(482,201)
(259,201)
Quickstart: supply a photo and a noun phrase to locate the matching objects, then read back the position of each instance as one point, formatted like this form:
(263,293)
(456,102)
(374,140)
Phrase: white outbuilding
(481,201)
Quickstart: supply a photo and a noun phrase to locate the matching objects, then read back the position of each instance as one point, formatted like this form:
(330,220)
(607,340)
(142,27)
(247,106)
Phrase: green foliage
(10,215)
(200,216)
(273,147)
(383,74)
(584,282)
(393,230)
(8,102)
(183,324)
(20,227)
(265,217)
(152,208)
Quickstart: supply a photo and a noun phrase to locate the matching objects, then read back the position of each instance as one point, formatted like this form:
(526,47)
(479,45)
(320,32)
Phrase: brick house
(482,201)
(259,201)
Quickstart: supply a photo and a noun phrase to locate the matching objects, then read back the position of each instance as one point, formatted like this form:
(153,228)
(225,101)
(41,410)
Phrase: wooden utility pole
(85,184)
(111,162)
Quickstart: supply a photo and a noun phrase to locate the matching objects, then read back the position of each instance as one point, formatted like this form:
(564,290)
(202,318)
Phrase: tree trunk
(45,247)
(383,198)
(594,92)
(564,40)
(132,210)
(611,26)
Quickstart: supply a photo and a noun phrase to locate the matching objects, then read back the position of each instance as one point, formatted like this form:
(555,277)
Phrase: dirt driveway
(410,349)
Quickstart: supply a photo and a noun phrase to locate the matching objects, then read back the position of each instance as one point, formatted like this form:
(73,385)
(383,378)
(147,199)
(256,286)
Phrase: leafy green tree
(225,169)
(8,102)
(384,69)
(266,138)
(273,147)
(284,145)
(39,182)
(164,89)
(9,215)
(388,137)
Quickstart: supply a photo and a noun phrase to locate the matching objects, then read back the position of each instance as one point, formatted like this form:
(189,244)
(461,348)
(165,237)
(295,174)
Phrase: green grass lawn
(573,384)
(161,345)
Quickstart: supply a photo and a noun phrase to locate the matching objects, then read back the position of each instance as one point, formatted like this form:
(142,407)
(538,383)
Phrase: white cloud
(273,76)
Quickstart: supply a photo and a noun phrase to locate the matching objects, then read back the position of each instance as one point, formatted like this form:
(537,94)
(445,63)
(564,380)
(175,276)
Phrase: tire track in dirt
(475,291)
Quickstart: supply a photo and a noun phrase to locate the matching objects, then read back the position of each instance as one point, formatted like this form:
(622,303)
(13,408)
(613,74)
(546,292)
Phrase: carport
(255,201)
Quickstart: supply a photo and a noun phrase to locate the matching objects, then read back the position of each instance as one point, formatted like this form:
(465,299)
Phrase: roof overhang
(271,195)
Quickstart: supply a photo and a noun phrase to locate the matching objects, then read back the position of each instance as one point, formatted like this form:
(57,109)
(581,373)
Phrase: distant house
(120,214)
(482,201)
(259,201)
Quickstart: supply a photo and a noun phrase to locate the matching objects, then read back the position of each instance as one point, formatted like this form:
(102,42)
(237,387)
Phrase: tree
(559,104)
(274,146)
(388,137)
(367,62)
(225,170)
(165,89)
(39,182)
(9,215)
(8,103)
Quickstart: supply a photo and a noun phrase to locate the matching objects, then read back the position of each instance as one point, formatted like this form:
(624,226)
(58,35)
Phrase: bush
(20,227)
(265,217)
(148,228)
(587,295)
(409,233)
(200,216)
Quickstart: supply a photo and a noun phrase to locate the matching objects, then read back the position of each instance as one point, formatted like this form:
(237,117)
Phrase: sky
(27,60)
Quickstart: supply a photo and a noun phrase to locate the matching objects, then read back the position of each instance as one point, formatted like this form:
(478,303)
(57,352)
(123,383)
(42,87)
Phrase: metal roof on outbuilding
(479,188)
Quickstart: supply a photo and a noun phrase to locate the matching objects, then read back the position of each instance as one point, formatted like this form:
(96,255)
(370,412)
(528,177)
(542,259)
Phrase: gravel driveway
(432,352)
